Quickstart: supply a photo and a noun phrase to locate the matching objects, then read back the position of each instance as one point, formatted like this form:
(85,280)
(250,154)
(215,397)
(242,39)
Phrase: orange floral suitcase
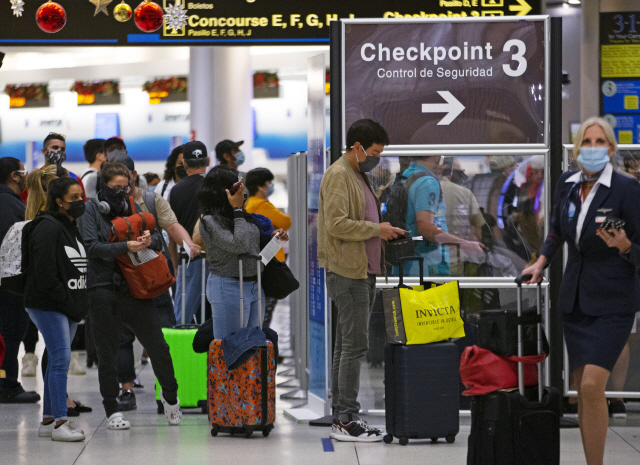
(242,400)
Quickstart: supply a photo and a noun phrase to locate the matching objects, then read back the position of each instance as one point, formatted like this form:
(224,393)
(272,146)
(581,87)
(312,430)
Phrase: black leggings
(109,306)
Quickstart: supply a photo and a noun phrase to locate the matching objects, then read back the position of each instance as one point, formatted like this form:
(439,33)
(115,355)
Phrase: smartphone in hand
(235,187)
(401,237)
(611,222)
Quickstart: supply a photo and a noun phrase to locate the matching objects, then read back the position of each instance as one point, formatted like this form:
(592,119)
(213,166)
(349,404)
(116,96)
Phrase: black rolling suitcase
(421,388)
(516,427)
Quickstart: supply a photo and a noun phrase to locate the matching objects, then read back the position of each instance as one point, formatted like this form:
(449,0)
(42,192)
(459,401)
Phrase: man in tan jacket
(350,249)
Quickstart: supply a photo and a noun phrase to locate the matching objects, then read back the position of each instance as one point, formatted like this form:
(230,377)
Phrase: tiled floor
(152,441)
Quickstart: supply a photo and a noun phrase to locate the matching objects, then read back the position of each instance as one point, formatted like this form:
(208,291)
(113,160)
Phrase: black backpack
(396,199)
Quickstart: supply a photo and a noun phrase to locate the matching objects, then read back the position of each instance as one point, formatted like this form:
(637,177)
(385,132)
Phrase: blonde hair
(608,132)
(37,183)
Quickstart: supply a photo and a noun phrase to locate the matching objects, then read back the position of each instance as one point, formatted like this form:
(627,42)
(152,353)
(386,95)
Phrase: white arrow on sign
(453,107)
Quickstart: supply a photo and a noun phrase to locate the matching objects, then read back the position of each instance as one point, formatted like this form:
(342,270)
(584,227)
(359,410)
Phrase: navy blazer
(604,281)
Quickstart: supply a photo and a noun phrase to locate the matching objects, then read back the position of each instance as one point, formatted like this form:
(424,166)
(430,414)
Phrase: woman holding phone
(111,302)
(595,213)
(228,231)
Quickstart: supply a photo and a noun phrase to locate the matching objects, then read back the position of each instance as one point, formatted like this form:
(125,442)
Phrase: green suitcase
(189,367)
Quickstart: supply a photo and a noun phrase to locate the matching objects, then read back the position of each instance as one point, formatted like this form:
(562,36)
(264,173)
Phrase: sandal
(81,408)
(117,422)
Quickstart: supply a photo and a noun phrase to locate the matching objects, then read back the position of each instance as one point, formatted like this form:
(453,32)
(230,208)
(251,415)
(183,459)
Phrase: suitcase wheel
(160,408)
(404,440)
(451,438)
(433,440)
(247,433)
(388,439)
(215,429)
(266,431)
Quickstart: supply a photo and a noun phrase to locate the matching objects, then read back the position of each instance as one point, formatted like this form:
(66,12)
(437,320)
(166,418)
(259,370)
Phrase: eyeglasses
(125,189)
(25,172)
(58,136)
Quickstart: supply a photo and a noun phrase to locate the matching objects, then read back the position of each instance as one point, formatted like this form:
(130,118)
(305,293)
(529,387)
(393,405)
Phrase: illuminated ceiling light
(574,2)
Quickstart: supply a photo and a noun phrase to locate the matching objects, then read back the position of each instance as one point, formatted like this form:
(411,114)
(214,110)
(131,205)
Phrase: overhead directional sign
(453,82)
(234,22)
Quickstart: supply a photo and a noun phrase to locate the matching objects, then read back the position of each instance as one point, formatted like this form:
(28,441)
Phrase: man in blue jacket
(13,317)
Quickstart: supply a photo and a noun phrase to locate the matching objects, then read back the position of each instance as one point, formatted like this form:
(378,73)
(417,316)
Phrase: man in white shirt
(95,155)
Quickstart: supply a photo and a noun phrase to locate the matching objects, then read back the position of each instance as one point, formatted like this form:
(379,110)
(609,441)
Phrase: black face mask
(76,209)
(116,200)
(181,172)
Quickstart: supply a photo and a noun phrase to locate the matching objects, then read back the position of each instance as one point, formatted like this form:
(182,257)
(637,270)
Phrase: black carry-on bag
(514,427)
(421,387)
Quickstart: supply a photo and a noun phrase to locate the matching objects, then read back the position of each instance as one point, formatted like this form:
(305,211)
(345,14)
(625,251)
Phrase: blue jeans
(193,292)
(224,295)
(58,332)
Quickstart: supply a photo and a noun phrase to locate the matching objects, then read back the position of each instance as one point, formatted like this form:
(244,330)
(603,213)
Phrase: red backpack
(146,272)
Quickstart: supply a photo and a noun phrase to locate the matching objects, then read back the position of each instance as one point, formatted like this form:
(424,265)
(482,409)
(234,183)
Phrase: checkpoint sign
(453,82)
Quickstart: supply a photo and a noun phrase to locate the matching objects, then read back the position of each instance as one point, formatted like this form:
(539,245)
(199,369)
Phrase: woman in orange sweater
(259,182)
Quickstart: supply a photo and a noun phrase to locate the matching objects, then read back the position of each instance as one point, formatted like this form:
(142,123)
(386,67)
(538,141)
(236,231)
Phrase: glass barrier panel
(475,215)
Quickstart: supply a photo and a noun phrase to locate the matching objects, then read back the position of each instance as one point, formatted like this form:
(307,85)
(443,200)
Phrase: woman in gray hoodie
(228,231)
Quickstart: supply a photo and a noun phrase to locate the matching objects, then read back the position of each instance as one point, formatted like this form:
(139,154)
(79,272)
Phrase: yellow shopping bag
(432,315)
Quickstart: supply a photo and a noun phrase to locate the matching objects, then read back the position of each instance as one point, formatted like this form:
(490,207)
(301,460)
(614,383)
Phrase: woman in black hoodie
(56,296)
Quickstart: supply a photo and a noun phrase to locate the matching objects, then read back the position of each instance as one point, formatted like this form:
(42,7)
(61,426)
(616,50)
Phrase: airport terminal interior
(269,97)
(151,440)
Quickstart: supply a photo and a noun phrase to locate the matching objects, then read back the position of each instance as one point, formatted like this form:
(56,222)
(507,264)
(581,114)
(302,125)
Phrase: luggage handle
(258,258)
(420,261)
(519,280)
(203,295)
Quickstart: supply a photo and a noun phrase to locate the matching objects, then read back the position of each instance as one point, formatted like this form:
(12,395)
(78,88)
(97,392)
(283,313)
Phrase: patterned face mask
(56,158)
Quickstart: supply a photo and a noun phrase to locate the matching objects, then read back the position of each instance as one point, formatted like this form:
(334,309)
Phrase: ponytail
(37,183)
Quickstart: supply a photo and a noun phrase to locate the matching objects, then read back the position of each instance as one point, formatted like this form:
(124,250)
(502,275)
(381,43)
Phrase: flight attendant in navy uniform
(600,290)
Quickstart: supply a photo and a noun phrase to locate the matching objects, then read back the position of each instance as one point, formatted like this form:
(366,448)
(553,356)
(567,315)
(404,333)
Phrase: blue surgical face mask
(152,188)
(594,159)
(270,189)
(239,158)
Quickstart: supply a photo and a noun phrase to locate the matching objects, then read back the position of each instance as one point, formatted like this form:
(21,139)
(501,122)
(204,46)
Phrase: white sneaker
(29,365)
(67,433)
(44,431)
(75,368)
(172,413)
(355,431)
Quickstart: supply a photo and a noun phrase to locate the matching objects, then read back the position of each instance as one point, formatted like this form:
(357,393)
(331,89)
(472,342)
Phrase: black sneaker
(617,409)
(354,431)
(19,396)
(127,401)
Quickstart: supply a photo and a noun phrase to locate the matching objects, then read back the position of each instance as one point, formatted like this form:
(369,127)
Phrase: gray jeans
(354,301)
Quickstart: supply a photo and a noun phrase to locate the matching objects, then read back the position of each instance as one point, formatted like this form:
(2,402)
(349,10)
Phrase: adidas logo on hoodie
(79,259)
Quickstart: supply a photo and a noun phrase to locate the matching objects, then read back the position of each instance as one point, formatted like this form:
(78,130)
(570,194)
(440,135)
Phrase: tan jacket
(342,229)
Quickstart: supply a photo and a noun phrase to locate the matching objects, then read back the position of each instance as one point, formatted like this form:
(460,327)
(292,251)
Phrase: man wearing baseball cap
(184,204)
(228,153)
